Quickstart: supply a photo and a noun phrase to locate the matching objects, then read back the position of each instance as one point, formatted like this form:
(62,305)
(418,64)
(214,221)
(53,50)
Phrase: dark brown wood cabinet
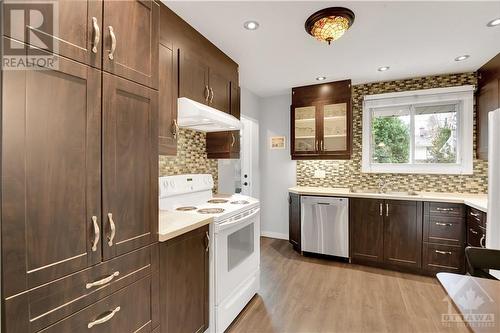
(130,40)
(130,165)
(184,282)
(476,227)
(223,145)
(403,233)
(193,76)
(487,99)
(321,121)
(294,234)
(167,92)
(50,173)
(78,35)
(366,224)
(220,90)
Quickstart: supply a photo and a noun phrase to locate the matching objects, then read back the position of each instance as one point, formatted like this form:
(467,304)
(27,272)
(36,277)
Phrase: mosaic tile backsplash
(191,157)
(348,173)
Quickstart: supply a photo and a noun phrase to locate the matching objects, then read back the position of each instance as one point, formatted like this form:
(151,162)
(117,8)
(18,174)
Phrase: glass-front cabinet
(322,121)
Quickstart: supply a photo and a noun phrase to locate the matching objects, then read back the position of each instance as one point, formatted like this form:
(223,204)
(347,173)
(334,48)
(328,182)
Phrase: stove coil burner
(186,209)
(210,210)
(240,202)
(217,201)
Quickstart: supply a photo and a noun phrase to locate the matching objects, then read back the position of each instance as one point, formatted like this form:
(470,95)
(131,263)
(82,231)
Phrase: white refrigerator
(493,222)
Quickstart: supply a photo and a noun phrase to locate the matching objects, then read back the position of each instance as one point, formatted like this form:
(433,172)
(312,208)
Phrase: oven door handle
(226,225)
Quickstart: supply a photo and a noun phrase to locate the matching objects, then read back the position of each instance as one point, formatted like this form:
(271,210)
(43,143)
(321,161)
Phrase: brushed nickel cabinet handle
(113,229)
(444,224)
(381,209)
(322,143)
(482,241)
(233,140)
(317,145)
(442,252)
(386,209)
(102,281)
(97,233)
(444,209)
(207,248)
(175,129)
(211,95)
(97,34)
(104,319)
(473,231)
(207,93)
(113,43)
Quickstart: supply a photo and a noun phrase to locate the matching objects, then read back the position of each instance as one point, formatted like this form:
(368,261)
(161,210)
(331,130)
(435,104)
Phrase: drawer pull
(473,231)
(113,229)
(444,224)
(444,209)
(476,215)
(104,319)
(96,233)
(102,281)
(482,241)
(443,252)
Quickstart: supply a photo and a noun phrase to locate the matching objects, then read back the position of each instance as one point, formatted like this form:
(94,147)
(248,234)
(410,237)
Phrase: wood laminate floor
(301,294)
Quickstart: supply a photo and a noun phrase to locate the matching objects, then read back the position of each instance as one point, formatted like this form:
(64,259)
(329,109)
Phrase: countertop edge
(324,192)
(180,231)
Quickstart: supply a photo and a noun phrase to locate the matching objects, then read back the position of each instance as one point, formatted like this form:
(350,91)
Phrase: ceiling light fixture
(329,24)
(462,57)
(494,22)
(251,25)
(383,68)
(321,78)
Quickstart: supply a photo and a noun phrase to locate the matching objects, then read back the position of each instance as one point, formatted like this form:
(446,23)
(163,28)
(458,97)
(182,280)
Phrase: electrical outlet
(319,173)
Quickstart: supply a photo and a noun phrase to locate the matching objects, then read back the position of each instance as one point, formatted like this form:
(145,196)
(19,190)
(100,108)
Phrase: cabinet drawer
(446,209)
(49,303)
(443,258)
(476,234)
(127,310)
(476,216)
(445,230)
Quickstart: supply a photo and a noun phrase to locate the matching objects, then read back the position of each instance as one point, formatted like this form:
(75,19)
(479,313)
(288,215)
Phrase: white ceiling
(413,38)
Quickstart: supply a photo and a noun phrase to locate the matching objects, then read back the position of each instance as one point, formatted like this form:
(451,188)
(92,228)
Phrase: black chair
(480,260)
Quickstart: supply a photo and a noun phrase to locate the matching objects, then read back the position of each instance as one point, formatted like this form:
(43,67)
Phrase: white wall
(277,170)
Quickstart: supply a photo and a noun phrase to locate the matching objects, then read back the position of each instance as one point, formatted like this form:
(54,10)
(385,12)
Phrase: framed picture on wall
(277,142)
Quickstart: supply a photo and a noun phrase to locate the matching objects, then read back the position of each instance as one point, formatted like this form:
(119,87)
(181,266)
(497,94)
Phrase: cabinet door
(223,144)
(304,131)
(366,224)
(403,233)
(193,77)
(184,287)
(335,130)
(131,36)
(50,173)
(220,91)
(130,165)
(78,29)
(294,220)
(235,100)
(167,92)
(488,99)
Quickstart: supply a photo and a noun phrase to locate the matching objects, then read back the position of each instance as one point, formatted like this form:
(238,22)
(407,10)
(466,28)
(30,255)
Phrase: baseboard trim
(272,234)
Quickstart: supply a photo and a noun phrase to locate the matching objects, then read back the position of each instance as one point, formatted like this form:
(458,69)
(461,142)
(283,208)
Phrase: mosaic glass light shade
(329,24)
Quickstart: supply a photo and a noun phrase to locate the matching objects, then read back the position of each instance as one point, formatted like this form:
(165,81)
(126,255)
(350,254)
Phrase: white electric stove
(235,240)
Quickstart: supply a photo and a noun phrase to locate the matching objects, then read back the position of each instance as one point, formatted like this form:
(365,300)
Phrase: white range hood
(203,118)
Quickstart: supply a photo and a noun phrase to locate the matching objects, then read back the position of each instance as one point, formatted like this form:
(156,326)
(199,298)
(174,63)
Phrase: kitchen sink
(377,191)
(409,193)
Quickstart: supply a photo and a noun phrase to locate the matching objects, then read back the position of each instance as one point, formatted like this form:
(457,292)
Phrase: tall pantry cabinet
(79,175)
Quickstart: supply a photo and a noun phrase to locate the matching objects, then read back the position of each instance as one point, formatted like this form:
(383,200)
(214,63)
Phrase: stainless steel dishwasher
(325,225)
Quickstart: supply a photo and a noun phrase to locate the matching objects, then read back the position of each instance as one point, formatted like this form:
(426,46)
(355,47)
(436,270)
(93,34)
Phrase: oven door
(237,252)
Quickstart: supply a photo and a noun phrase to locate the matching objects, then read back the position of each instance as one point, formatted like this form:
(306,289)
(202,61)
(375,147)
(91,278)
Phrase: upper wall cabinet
(131,35)
(78,35)
(167,91)
(488,99)
(321,121)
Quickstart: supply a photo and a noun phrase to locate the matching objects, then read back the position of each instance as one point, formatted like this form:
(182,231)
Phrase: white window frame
(464,95)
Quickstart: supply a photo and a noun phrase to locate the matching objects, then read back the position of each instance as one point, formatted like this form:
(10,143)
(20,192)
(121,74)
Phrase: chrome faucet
(382,186)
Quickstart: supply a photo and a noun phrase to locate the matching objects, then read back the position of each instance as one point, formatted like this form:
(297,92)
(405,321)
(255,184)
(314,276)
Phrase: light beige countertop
(478,201)
(173,224)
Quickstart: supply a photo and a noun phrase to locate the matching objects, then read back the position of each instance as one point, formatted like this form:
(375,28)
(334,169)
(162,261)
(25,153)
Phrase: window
(423,131)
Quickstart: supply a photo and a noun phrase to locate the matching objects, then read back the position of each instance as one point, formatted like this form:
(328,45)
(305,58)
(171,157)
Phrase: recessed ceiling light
(494,22)
(383,68)
(251,25)
(462,57)
(321,78)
